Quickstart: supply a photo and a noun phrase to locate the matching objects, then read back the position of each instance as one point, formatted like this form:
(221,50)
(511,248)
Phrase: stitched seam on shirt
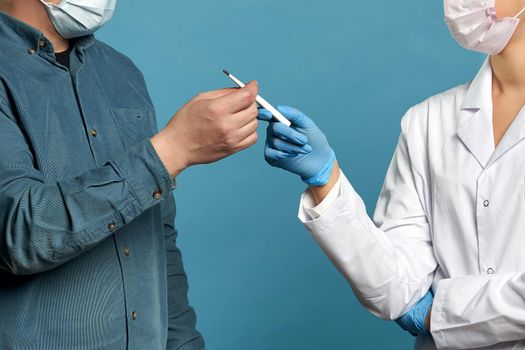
(121,174)
(98,228)
(85,228)
(111,109)
(413,152)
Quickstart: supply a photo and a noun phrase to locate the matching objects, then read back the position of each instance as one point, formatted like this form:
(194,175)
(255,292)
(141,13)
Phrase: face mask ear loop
(520,13)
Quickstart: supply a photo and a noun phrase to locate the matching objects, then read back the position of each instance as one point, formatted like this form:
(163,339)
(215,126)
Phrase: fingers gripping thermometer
(261,101)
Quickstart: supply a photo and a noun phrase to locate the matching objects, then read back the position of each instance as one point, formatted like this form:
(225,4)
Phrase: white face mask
(474,25)
(75,18)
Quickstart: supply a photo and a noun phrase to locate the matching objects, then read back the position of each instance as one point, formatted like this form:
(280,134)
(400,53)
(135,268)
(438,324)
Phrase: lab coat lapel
(475,117)
(512,137)
(476,133)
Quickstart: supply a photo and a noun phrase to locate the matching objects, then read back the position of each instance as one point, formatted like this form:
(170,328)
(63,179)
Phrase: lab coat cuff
(310,211)
(438,316)
(343,205)
(145,174)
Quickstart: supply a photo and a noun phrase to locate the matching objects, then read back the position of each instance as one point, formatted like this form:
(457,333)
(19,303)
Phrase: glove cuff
(323,176)
(420,323)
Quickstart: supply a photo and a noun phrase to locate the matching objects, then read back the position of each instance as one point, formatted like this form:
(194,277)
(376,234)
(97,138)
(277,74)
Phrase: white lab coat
(451,216)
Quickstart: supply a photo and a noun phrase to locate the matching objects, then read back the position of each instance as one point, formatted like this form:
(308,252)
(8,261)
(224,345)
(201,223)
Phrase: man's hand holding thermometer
(210,127)
(261,101)
(216,124)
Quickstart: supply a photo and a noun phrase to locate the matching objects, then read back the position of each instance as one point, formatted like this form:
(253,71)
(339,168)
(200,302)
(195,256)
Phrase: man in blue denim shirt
(88,258)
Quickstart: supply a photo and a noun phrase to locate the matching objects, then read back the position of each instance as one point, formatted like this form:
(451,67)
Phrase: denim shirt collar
(30,39)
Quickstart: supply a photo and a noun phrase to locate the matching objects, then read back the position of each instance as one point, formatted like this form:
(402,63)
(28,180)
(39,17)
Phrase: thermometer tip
(226,72)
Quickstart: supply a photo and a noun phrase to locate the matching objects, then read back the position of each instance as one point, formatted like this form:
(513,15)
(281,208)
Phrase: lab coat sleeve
(478,311)
(182,333)
(389,263)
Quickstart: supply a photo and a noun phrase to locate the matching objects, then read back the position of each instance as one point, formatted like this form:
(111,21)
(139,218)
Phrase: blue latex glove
(301,149)
(414,319)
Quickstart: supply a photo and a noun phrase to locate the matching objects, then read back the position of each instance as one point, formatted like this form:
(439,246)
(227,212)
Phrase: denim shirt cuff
(145,174)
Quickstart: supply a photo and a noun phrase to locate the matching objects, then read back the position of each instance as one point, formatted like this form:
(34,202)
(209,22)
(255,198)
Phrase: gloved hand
(413,320)
(301,149)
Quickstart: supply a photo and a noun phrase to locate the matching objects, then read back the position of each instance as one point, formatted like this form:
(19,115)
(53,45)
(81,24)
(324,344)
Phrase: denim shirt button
(31,51)
(157,194)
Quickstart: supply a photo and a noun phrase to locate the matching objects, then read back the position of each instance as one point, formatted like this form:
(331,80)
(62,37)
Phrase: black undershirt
(63,57)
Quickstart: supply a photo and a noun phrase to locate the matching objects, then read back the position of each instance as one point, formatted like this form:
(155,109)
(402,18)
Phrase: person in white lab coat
(451,214)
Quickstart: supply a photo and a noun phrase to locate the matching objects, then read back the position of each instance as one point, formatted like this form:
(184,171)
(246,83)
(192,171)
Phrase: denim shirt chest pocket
(134,125)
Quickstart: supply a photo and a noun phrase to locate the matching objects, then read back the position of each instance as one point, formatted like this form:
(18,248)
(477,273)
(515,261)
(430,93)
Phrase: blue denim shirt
(88,258)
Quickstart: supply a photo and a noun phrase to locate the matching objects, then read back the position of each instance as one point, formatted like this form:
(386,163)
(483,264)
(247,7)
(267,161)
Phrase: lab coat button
(490,271)
(486,203)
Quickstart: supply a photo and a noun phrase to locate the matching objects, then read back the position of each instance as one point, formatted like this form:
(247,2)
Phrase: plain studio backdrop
(257,278)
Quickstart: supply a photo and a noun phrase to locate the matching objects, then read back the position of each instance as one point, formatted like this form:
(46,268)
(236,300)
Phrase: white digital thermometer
(261,101)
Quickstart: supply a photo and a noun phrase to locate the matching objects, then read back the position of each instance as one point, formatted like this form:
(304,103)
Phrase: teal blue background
(258,281)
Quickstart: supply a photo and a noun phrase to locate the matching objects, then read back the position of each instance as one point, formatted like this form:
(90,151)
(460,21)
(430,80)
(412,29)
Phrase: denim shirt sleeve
(44,225)
(181,316)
